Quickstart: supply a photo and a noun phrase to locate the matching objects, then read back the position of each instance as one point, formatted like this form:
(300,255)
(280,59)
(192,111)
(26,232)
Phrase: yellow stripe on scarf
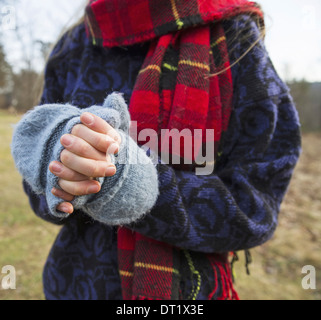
(179,22)
(155,267)
(195,64)
(151,67)
(195,288)
(170,67)
(125,273)
(219,40)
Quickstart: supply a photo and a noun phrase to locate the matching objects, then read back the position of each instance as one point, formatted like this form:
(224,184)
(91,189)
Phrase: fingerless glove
(124,197)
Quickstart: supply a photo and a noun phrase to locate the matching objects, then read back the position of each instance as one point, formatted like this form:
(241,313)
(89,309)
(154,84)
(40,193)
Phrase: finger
(65,207)
(61,171)
(80,188)
(99,125)
(81,147)
(99,141)
(62,194)
(87,167)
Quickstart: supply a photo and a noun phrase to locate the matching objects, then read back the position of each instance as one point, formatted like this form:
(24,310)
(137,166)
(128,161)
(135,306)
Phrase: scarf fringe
(223,274)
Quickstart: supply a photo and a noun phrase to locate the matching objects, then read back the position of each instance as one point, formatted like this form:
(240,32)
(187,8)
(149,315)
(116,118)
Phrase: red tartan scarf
(185,83)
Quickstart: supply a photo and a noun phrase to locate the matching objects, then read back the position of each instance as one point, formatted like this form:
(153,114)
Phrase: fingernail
(67,140)
(110,171)
(65,208)
(56,167)
(87,119)
(93,189)
(113,148)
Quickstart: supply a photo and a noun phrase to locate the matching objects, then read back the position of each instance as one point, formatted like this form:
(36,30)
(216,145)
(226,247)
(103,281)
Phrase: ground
(276,270)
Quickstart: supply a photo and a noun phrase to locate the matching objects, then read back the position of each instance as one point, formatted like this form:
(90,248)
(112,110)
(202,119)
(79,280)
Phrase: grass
(25,240)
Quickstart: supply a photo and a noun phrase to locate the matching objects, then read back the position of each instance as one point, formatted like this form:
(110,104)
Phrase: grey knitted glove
(124,197)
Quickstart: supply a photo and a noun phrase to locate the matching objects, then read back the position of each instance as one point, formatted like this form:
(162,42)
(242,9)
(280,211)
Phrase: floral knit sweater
(233,209)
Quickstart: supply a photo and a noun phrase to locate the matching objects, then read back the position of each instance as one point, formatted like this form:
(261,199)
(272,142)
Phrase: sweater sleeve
(237,206)
(52,93)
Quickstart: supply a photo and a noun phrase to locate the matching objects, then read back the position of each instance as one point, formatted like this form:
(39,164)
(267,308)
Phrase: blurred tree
(307,97)
(29,44)
(25,89)
(6,81)
(27,30)
(22,41)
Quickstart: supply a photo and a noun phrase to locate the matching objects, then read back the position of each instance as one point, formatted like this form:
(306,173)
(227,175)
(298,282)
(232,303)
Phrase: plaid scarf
(185,83)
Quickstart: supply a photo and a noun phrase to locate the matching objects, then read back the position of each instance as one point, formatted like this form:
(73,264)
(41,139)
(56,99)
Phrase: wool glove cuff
(131,192)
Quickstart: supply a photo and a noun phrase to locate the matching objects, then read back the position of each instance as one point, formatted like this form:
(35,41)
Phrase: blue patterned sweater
(233,209)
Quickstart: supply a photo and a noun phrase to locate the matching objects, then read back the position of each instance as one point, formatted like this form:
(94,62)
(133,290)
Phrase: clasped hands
(85,157)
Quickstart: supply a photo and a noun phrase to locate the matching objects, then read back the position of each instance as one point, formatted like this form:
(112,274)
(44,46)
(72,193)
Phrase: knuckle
(84,149)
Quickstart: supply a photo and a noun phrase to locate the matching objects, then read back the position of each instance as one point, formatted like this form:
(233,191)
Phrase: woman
(157,231)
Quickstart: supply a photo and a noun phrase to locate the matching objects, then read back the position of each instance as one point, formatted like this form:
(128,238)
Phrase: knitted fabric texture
(175,89)
(36,142)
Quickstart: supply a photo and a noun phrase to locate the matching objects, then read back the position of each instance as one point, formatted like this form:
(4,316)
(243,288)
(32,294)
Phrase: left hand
(86,156)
